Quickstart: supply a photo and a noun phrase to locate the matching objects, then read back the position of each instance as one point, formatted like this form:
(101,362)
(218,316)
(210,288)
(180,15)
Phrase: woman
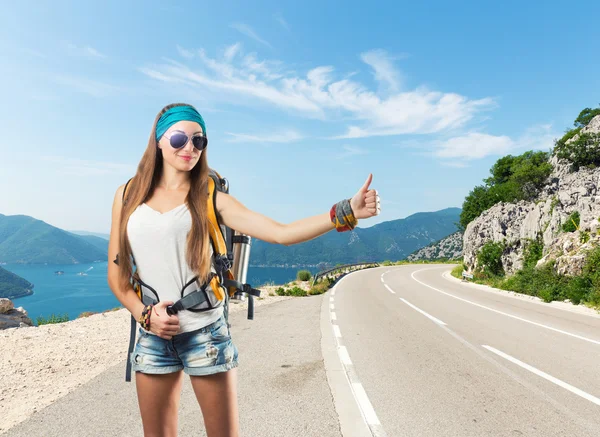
(163,224)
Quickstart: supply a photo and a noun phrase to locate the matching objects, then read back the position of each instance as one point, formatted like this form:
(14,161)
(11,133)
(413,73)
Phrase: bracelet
(342,217)
(144,319)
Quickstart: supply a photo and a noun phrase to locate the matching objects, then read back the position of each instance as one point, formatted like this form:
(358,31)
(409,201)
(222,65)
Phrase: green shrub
(512,178)
(541,281)
(591,268)
(553,204)
(570,133)
(52,319)
(319,288)
(577,288)
(586,116)
(572,223)
(297,291)
(457,271)
(584,237)
(303,275)
(489,259)
(294,291)
(583,152)
(533,252)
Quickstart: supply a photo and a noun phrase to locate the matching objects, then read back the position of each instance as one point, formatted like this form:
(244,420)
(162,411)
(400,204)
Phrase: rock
(449,247)
(514,223)
(11,317)
(6,305)
(570,265)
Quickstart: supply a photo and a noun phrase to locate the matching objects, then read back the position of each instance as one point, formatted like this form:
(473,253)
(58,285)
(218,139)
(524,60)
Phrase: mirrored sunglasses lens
(178,140)
(200,142)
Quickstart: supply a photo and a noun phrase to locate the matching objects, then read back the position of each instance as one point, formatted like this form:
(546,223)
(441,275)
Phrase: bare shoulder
(223,201)
(119,195)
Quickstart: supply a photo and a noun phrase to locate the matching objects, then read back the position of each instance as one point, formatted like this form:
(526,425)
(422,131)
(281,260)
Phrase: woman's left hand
(365,202)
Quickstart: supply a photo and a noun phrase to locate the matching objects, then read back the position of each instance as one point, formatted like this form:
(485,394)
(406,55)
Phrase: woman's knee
(158,398)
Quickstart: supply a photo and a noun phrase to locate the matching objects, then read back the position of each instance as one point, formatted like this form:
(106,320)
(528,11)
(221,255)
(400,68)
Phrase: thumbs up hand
(365,202)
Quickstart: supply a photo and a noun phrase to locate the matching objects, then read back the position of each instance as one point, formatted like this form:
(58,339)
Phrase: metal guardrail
(466,276)
(325,272)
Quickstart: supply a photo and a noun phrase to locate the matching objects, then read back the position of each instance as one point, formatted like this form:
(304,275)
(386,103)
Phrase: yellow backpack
(222,285)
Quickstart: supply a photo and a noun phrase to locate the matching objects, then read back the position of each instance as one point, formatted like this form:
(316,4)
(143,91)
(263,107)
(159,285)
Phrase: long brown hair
(140,189)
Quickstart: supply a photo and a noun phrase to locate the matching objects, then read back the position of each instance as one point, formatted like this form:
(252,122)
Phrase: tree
(586,116)
(475,203)
(501,171)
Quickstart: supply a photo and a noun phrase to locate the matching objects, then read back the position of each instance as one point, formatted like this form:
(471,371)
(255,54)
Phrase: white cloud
(279,18)
(185,53)
(475,145)
(249,32)
(281,137)
(383,69)
(87,51)
(231,51)
(320,94)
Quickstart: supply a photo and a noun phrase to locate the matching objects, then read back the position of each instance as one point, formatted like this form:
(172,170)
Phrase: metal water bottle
(241,258)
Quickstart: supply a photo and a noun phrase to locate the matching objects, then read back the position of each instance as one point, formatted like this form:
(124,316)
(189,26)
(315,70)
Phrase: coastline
(27,292)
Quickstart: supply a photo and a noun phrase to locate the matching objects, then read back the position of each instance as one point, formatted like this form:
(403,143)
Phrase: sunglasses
(180,139)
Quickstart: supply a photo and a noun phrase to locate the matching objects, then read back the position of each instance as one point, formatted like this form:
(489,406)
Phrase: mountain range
(24,239)
(13,286)
(392,240)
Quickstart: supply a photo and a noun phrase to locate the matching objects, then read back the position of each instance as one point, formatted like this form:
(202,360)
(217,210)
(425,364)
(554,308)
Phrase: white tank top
(158,244)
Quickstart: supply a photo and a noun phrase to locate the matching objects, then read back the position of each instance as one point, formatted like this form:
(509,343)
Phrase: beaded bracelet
(342,217)
(144,319)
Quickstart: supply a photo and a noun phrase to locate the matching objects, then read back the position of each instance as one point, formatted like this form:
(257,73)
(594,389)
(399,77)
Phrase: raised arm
(364,204)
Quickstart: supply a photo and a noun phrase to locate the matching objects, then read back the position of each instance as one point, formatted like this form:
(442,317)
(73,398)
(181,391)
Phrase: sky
(301,100)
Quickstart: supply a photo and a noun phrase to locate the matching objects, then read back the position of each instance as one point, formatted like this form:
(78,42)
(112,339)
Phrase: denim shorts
(203,351)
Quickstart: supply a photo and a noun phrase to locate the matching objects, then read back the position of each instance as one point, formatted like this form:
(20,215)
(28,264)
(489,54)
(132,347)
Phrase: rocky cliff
(566,192)
(449,247)
(11,317)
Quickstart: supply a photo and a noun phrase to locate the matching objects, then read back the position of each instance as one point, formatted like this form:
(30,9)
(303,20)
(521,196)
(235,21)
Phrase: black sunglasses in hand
(179,139)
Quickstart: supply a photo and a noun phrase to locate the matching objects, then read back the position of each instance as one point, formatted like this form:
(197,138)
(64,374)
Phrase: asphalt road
(436,357)
(388,352)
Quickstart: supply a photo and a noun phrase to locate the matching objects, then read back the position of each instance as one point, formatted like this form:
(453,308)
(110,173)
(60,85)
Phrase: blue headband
(175,114)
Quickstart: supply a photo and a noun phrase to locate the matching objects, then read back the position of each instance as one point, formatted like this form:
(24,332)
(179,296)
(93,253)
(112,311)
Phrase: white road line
(360,396)
(331,306)
(438,321)
(544,375)
(336,331)
(365,404)
(333,292)
(331,299)
(344,357)
(381,278)
(503,313)
(386,286)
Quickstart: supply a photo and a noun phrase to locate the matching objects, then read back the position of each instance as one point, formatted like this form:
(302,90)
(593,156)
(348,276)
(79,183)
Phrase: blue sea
(73,294)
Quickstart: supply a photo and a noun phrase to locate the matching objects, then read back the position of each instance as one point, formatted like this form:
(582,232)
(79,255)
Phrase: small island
(13,286)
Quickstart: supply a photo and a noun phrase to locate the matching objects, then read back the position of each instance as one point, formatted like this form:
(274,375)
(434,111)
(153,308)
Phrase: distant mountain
(449,247)
(392,240)
(95,234)
(13,286)
(99,242)
(26,240)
